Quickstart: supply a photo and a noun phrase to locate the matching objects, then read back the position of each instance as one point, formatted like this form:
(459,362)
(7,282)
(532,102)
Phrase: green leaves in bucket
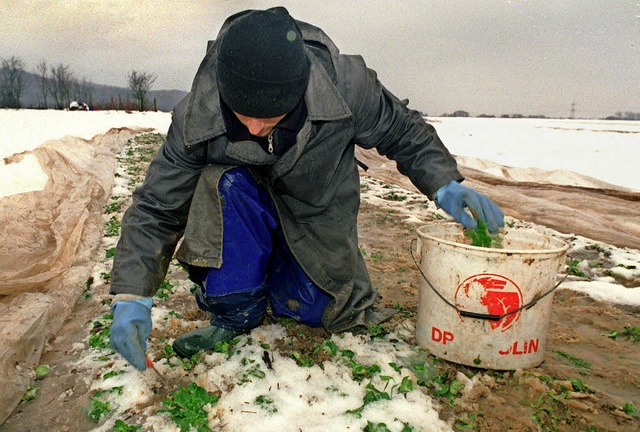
(481,237)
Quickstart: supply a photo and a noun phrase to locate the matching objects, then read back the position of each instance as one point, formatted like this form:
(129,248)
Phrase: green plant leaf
(573,360)
(42,371)
(186,407)
(30,394)
(406,385)
(630,409)
(481,237)
(376,427)
(121,426)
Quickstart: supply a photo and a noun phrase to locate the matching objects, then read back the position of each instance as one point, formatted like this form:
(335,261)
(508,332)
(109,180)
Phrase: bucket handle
(477,315)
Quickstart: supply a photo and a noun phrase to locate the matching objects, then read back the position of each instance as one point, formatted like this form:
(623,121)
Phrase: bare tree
(42,70)
(11,82)
(83,91)
(61,82)
(628,115)
(140,83)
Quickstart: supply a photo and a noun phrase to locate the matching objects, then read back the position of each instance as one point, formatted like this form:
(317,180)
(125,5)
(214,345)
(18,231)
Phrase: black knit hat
(262,66)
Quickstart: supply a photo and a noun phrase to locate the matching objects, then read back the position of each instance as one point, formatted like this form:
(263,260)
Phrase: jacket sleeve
(154,223)
(385,123)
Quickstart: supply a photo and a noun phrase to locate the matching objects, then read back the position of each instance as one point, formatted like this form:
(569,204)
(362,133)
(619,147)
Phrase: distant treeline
(461,113)
(627,115)
(57,87)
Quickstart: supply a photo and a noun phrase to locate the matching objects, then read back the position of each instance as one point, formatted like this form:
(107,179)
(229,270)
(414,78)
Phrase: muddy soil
(577,327)
(583,384)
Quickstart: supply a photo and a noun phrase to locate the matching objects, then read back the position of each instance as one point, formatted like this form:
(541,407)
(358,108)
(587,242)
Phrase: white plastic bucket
(466,291)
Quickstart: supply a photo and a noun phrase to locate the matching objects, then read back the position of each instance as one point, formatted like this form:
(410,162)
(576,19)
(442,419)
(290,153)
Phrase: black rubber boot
(202,339)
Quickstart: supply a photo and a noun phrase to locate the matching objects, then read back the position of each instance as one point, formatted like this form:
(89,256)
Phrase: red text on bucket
(528,347)
(443,336)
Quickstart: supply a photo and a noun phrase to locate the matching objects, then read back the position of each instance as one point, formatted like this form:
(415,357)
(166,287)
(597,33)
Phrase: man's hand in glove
(131,328)
(454,198)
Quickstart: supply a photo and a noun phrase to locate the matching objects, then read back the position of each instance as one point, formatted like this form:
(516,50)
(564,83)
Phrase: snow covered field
(605,150)
(22,130)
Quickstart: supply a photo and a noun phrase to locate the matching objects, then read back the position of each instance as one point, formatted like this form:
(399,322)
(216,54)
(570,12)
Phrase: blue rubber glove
(130,329)
(453,198)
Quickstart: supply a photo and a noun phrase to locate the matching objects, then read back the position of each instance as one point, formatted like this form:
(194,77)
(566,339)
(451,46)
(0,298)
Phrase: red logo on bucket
(498,294)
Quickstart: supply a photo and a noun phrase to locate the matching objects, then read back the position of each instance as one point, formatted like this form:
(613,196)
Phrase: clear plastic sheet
(47,241)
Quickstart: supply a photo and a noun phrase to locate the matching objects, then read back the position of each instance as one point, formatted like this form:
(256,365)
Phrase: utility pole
(573,110)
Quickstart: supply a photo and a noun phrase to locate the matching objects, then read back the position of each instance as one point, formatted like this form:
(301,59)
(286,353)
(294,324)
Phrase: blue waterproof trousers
(257,265)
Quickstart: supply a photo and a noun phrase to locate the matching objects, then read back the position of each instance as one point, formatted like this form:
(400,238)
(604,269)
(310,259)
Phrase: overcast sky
(482,56)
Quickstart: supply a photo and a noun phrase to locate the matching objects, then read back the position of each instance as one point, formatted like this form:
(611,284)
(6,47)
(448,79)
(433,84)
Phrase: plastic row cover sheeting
(48,239)
(609,214)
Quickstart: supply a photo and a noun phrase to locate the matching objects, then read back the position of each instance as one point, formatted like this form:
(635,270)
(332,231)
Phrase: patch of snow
(606,291)
(24,130)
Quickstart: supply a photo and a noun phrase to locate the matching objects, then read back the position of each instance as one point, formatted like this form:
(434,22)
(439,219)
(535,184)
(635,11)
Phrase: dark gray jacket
(315,185)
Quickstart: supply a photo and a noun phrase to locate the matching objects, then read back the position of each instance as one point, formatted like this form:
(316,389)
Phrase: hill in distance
(102,96)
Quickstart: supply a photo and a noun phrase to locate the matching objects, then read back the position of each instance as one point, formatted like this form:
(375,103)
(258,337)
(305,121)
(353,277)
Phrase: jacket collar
(203,117)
